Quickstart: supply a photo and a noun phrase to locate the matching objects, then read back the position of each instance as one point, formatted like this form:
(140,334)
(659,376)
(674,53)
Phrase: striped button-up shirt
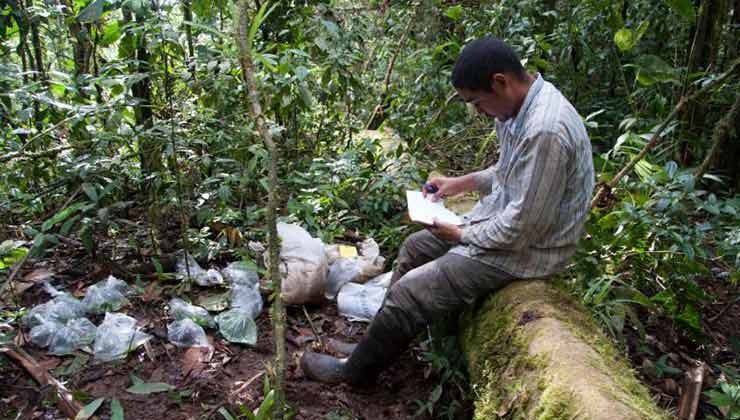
(537,196)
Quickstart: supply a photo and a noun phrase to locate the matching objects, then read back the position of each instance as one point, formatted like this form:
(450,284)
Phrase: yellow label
(347,251)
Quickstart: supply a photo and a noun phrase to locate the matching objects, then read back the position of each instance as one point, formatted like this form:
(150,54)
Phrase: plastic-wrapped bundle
(360,302)
(64,338)
(59,310)
(248,299)
(343,271)
(202,277)
(179,309)
(116,336)
(359,269)
(107,295)
(237,326)
(186,333)
(238,273)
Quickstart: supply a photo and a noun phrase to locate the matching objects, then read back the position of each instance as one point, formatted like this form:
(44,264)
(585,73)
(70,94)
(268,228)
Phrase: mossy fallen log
(534,353)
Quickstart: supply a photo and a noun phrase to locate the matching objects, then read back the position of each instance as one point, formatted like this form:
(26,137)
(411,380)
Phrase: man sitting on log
(526,225)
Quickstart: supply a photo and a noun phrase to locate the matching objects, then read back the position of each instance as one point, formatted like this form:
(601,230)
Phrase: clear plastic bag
(200,276)
(359,269)
(179,309)
(360,302)
(247,298)
(237,326)
(61,309)
(303,265)
(343,271)
(62,339)
(116,336)
(186,333)
(77,334)
(239,273)
(107,295)
(41,334)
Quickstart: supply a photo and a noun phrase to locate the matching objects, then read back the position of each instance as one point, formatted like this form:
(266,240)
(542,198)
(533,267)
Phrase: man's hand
(446,231)
(443,186)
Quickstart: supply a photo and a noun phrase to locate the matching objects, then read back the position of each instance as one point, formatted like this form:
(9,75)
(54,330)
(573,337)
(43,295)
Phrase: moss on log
(534,353)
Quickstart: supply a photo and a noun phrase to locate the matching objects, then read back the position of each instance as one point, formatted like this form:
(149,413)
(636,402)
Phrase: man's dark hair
(482,58)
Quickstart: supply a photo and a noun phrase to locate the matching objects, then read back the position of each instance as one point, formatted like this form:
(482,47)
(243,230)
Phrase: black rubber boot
(324,368)
(339,346)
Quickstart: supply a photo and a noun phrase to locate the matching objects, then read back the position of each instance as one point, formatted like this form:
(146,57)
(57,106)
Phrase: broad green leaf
(116,410)
(653,69)
(684,8)
(623,38)
(91,191)
(111,33)
(454,12)
(90,409)
(61,216)
(149,388)
(237,327)
(626,39)
(57,89)
(215,303)
(225,413)
(67,226)
(92,12)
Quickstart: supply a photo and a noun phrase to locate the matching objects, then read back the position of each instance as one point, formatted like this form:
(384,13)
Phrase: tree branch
(656,135)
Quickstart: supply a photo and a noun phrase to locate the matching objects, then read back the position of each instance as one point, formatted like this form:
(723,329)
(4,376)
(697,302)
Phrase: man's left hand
(446,231)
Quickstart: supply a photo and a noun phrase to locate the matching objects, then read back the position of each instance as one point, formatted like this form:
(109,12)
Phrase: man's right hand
(445,187)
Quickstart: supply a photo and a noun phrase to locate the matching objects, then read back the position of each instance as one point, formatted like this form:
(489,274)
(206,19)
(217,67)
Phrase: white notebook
(424,210)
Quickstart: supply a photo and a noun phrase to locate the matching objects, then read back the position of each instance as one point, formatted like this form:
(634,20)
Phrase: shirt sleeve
(484,180)
(536,184)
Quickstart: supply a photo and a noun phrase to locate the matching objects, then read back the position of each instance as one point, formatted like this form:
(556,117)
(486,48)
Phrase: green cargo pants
(428,284)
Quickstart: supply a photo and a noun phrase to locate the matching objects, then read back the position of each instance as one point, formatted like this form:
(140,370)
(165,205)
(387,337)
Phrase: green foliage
(447,398)
(726,397)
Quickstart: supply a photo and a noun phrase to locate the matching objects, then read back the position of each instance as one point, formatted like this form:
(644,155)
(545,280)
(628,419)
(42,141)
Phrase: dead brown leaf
(151,293)
(194,360)
(38,275)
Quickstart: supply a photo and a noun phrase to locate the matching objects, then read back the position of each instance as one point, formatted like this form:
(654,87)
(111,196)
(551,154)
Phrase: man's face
(497,103)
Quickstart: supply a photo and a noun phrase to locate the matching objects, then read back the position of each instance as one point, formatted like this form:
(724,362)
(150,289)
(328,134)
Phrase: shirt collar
(534,90)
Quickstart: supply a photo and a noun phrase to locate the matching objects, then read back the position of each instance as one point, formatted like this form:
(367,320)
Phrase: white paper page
(424,210)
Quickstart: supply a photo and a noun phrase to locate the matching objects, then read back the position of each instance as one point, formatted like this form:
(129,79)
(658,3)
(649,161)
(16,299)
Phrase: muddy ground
(235,375)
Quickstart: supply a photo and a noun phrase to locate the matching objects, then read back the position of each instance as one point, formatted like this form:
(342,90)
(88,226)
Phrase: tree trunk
(187,21)
(278,310)
(37,47)
(534,353)
(702,56)
(150,148)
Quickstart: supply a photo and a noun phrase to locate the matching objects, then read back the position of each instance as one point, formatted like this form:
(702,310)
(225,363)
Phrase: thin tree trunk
(187,21)
(702,56)
(378,115)
(151,148)
(278,310)
(37,47)
(720,135)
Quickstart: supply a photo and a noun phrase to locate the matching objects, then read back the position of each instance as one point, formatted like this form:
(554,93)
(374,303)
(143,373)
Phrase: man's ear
(498,82)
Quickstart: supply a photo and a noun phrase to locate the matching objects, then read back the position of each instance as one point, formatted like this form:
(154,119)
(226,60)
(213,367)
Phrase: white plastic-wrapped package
(360,302)
(179,309)
(107,295)
(200,276)
(186,333)
(117,336)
